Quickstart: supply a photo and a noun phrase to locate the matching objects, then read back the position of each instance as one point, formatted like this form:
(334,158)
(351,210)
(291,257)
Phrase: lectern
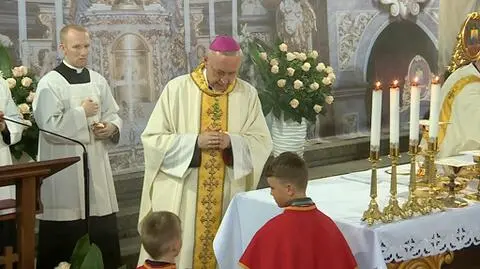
(27,178)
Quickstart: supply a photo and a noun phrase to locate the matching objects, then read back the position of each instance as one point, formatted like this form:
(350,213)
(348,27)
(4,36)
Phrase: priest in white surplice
(77,102)
(10,133)
(206,140)
(460,107)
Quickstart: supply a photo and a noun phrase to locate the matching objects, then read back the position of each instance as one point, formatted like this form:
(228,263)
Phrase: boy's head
(287,176)
(161,234)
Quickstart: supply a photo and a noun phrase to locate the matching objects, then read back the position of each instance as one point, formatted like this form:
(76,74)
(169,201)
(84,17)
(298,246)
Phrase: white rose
(306,67)
(297,84)
(17,72)
(263,55)
(296,53)
(274,62)
(294,103)
(320,67)
(274,69)
(23,108)
(290,56)
(290,71)
(281,83)
(24,70)
(313,54)
(331,76)
(326,81)
(314,86)
(317,108)
(11,83)
(329,70)
(63,265)
(329,99)
(302,56)
(283,47)
(30,97)
(26,82)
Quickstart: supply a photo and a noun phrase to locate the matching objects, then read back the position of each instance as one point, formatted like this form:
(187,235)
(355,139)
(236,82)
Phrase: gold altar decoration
(467,48)
(432,203)
(413,205)
(430,262)
(393,210)
(373,214)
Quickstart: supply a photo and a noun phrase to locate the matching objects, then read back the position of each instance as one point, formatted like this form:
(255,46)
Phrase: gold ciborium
(373,214)
(455,164)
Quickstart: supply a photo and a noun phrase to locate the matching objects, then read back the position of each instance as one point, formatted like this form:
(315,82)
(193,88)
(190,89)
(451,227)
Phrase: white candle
(376,117)
(394,113)
(414,112)
(434,108)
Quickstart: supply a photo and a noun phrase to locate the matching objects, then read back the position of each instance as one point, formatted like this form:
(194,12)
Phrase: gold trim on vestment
(211,173)
(446,110)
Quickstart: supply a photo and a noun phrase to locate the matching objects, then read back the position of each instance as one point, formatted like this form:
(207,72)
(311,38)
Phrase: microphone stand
(86,169)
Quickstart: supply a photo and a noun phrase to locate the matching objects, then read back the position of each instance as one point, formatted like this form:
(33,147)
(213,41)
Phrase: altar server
(76,102)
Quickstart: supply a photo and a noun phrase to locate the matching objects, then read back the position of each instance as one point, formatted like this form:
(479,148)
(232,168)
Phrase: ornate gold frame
(461,55)
(431,262)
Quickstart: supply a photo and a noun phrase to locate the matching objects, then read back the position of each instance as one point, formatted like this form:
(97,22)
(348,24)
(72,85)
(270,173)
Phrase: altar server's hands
(3,125)
(104,130)
(90,107)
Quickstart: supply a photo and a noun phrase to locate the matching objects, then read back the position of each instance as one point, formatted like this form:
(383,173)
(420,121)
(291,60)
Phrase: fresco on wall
(140,45)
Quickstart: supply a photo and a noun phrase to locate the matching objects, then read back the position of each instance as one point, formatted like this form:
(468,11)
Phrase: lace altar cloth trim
(435,244)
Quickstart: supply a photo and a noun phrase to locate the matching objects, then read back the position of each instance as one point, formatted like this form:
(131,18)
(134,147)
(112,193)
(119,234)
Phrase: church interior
(140,45)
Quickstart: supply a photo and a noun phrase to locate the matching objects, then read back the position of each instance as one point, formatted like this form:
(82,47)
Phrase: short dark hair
(290,168)
(158,230)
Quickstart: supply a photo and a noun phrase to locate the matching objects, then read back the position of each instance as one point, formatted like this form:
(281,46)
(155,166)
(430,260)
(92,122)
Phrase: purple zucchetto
(224,43)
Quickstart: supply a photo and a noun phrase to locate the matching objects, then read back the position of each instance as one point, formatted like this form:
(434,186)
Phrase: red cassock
(154,265)
(301,237)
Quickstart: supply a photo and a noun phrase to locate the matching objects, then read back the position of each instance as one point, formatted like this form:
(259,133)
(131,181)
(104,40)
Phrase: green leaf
(93,259)
(81,250)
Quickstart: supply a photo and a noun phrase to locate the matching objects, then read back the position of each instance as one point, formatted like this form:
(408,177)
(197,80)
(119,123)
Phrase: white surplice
(463,132)
(57,108)
(169,142)
(10,110)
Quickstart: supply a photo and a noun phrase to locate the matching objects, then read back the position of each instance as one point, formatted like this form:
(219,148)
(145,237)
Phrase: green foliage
(276,90)
(22,94)
(86,255)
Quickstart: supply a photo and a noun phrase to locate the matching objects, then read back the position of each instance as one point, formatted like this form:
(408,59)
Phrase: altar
(344,198)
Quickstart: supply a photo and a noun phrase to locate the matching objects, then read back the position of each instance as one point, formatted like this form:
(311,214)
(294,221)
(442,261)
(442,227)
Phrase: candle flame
(395,83)
(415,79)
(435,80)
(378,84)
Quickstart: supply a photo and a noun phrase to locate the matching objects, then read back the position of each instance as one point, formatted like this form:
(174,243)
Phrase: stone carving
(433,13)
(47,20)
(350,123)
(403,7)
(296,20)
(252,7)
(350,27)
(5,41)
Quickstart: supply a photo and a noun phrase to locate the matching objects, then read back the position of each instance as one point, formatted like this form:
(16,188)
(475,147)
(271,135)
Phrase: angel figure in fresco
(296,20)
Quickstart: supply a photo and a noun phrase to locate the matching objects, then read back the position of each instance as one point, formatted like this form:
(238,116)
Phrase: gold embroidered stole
(446,110)
(211,173)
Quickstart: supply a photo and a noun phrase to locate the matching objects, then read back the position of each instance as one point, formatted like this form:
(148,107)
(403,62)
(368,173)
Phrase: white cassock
(463,132)
(57,108)
(169,142)
(10,110)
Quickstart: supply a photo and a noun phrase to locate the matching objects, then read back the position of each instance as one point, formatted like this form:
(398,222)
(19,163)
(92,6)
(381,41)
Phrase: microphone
(86,169)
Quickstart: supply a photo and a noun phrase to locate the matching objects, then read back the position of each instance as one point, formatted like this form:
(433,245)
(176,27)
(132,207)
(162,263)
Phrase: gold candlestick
(373,213)
(393,210)
(413,205)
(476,196)
(432,201)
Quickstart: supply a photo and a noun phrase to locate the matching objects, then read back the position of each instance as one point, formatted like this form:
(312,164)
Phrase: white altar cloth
(344,198)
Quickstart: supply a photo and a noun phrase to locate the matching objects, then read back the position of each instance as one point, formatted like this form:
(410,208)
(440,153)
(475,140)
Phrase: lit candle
(394,113)
(434,108)
(376,117)
(414,111)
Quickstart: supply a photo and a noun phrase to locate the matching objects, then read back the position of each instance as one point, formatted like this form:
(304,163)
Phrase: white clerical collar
(205,76)
(79,70)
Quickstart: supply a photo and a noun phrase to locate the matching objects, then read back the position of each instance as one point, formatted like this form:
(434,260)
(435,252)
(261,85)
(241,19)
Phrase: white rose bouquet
(292,82)
(22,84)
